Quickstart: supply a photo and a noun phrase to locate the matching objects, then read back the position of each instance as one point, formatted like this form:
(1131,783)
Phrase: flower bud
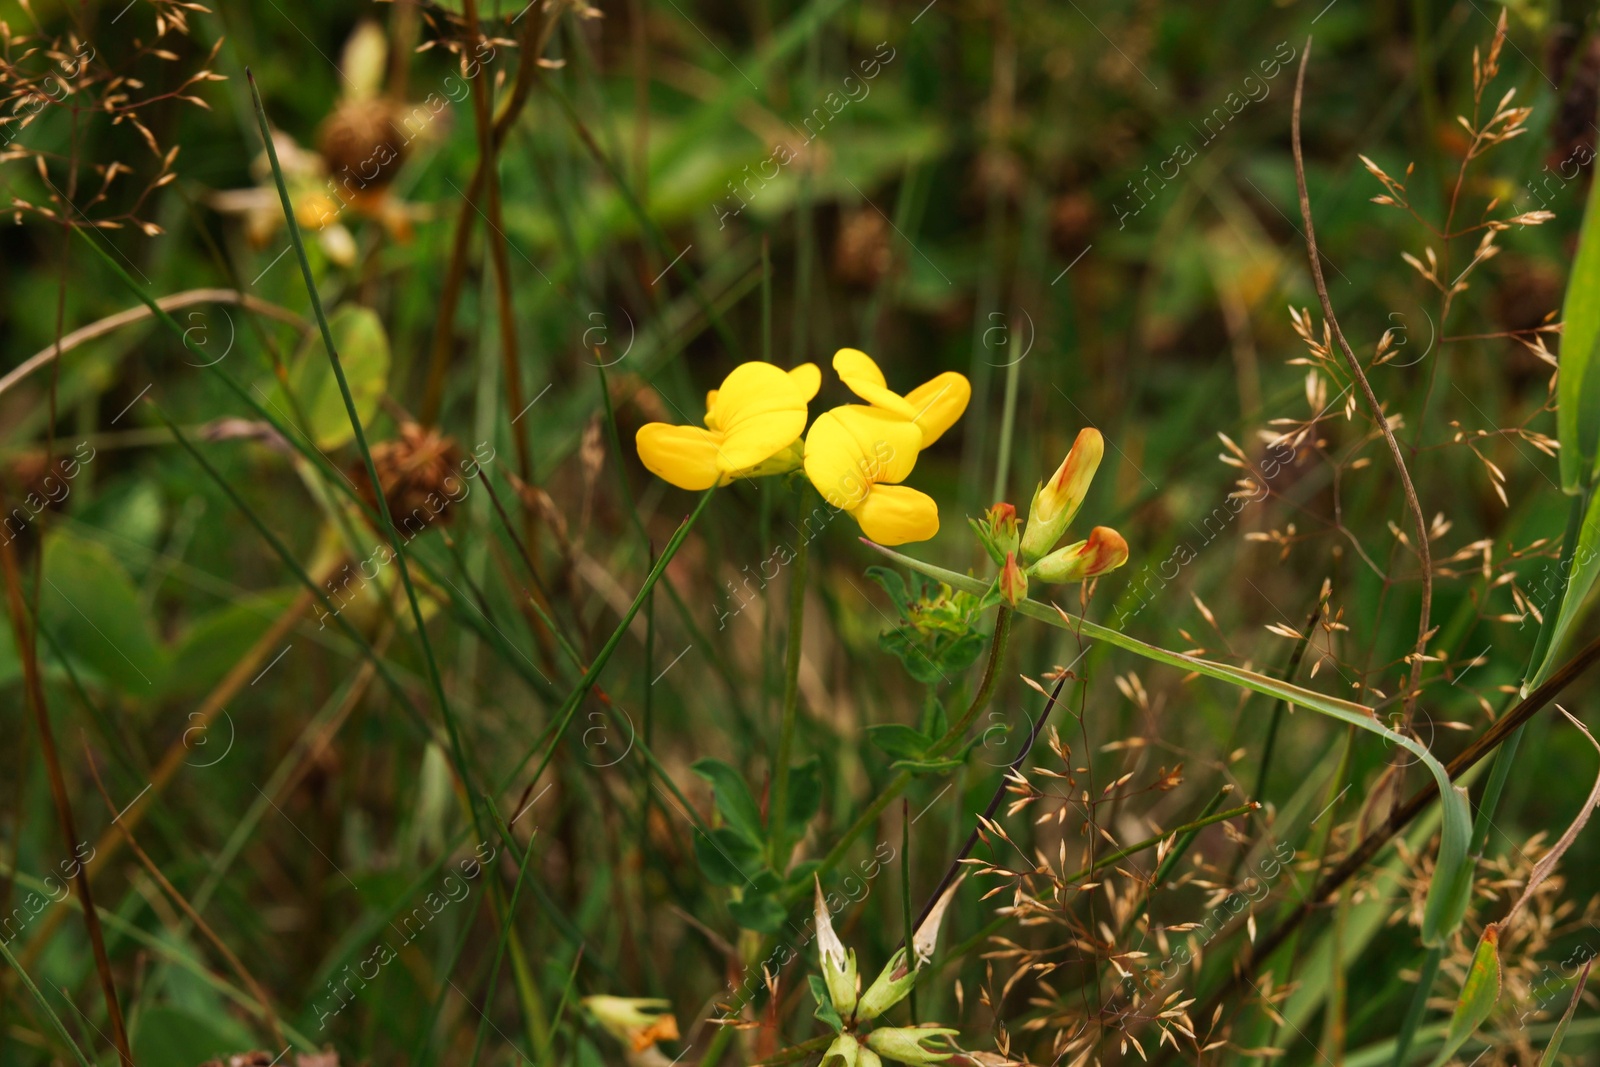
(640,1021)
(1013,581)
(1105,550)
(916,1045)
(888,989)
(1057,501)
(997,531)
(838,966)
(844,1052)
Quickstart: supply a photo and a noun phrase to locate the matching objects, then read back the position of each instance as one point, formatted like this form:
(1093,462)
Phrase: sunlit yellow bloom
(753,426)
(856,455)
(934,406)
(1056,502)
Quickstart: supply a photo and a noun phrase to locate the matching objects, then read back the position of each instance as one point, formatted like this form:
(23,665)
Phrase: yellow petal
(852,448)
(759,412)
(686,456)
(895,514)
(711,405)
(854,363)
(938,403)
(807,378)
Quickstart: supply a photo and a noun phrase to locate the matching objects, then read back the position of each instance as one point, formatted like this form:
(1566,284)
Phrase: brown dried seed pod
(421,477)
(362,146)
(862,256)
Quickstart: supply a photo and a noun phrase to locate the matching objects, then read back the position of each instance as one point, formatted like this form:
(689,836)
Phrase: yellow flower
(753,425)
(934,406)
(856,455)
(640,1021)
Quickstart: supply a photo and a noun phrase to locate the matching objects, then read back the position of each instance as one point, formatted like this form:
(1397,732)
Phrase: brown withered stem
(536,31)
(268,1014)
(1401,816)
(28,653)
(1424,556)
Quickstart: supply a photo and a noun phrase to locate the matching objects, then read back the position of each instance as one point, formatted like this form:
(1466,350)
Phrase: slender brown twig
(1401,816)
(28,653)
(1412,503)
(536,33)
(264,1002)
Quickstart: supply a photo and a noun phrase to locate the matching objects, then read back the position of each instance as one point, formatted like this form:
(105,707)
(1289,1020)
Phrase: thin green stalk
(1289,671)
(1151,842)
(289,560)
(991,674)
(905,890)
(435,679)
(316,459)
(563,716)
(499,955)
(55,1020)
(1419,1005)
(778,810)
(1008,419)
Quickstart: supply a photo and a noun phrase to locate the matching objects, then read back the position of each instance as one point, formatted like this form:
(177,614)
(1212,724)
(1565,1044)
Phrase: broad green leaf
(725,857)
(364,353)
(760,913)
(1585,568)
(898,740)
(734,801)
(170,1035)
(94,613)
(1442,911)
(1478,994)
(1578,387)
(217,640)
(805,796)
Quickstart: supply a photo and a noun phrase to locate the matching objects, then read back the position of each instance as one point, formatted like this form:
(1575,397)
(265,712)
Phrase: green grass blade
(1446,903)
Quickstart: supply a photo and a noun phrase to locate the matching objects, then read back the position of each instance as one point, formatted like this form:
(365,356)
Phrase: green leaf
(733,798)
(1478,994)
(927,766)
(892,584)
(1553,1049)
(1585,568)
(1451,892)
(218,640)
(364,351)
(899,740)
(1453,862)
(805,796)
(1578,387)
(171,1035)
(762,914)
(726,858)
(825,1010)
(94,613)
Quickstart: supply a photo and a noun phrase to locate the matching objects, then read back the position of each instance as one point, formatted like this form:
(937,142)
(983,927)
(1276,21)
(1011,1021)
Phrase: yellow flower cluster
(855,454)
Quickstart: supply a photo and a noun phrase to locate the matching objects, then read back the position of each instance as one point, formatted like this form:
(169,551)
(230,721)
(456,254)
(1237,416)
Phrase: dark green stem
(778,809)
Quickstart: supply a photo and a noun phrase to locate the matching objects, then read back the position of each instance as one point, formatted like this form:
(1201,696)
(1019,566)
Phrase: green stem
(1419,1005)
(778,810)
(435,679)
(897,784)
(564,714)
(1151,842)
(499,955)
(55,1020)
